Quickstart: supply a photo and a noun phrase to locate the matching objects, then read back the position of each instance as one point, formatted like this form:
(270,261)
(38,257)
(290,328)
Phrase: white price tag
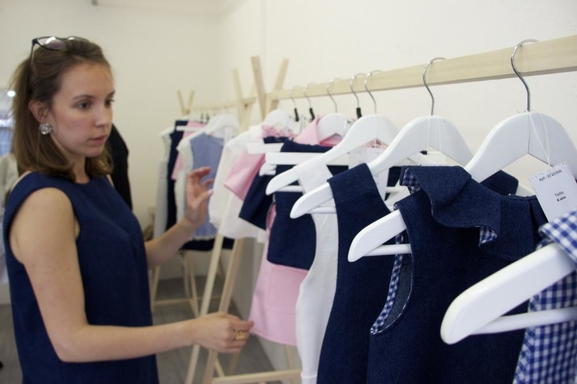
(556,190)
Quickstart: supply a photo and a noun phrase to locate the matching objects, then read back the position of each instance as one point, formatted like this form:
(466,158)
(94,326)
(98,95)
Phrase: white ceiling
(198,7)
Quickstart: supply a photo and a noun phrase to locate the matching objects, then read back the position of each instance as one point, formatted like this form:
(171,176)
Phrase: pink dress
(277,287)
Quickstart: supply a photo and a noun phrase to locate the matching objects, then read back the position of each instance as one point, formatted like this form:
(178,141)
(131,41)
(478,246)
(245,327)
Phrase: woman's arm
(167,245)
(42,237)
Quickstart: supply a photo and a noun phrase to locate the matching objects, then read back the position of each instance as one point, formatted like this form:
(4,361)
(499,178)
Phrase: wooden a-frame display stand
(232,271)
(243,108)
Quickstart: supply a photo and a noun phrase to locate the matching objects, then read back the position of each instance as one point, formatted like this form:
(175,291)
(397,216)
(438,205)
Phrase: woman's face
(81,113)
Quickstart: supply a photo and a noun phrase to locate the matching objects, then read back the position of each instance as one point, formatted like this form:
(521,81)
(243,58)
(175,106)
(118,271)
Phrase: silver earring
(45,128)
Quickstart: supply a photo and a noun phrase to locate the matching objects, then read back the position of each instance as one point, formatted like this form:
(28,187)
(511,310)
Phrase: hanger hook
(359,114)
(310,104)
(329,92)
(294,102)
(352,90)
(427,85)
(518,73)
(367,88)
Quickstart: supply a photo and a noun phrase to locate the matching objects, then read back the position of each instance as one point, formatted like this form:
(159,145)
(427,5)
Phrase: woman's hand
(197,194)
(221,332)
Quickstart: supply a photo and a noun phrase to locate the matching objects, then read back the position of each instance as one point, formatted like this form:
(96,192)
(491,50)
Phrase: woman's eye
(83,105)
(109,102)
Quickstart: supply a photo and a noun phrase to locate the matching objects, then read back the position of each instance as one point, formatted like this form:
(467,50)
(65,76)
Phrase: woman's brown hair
(39,79)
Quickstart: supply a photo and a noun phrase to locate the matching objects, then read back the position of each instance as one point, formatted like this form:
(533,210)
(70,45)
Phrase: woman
(76,258)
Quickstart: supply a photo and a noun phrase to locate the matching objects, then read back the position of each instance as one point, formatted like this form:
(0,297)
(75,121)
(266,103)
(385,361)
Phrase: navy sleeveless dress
(283,249)
(460,232)
(113,266)
(357,301)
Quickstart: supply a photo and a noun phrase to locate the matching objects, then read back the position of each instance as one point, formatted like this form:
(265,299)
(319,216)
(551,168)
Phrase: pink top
(277,287)
(274,298)
(246,166)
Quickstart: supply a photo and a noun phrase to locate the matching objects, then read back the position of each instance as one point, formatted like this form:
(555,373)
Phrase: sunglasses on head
(52,43)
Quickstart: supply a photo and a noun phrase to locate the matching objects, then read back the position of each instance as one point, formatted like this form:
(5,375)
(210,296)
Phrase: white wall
(338,38)
(153,53)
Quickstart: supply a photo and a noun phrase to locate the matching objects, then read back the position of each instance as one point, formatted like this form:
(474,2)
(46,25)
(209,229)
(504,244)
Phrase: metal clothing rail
(539,58)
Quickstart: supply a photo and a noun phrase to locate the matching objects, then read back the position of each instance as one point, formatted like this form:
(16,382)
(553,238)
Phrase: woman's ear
(38,109)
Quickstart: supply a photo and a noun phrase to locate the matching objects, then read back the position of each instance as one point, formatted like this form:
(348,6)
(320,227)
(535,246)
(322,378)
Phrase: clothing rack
(540,58)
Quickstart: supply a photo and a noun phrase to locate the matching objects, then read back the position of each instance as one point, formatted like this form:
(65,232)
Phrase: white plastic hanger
(280,118)
(363,131)
(510,140)
(419,134)
(332,124)
(219,123)
(478,310)
(530,133)
(423,133)
(328,126)
(186,128)
(276,118)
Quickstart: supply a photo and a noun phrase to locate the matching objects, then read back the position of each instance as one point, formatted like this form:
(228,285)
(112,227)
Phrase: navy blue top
(443,221)
(283,249)
(175,137)
(256,204)
(112,262)
(357,301)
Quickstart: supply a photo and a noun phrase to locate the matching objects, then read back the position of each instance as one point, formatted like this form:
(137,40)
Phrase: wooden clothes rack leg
(189,286)
(293,374)
(223,307)
(208,288)
(154,287)
(244,109)
(212,362)
(185,108)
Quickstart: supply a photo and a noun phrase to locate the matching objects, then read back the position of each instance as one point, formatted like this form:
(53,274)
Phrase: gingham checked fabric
(549,353)
(378,326)
(410,181)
